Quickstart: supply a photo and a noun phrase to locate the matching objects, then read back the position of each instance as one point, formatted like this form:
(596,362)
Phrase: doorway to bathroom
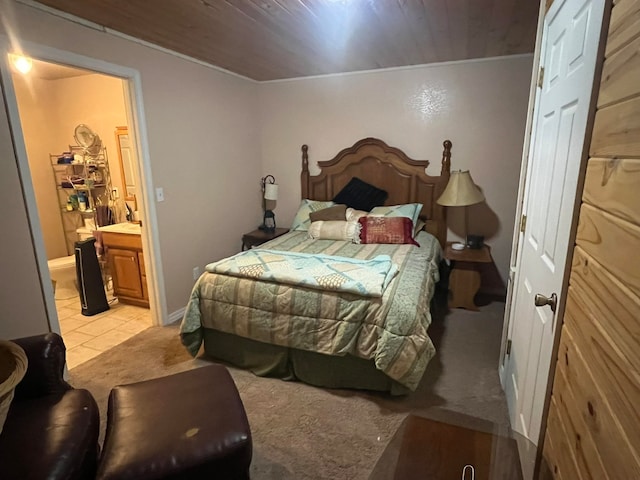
(76,134)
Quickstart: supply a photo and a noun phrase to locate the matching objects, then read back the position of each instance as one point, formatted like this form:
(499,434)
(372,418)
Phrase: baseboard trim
(177,315)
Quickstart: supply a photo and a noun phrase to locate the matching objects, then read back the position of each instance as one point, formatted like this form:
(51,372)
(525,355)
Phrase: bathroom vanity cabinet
(123,247)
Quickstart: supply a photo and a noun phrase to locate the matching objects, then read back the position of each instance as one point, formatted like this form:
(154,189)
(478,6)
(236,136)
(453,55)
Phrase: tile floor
(87,337)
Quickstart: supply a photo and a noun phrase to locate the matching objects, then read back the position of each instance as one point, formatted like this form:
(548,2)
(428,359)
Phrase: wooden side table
(258,237)
(465,279)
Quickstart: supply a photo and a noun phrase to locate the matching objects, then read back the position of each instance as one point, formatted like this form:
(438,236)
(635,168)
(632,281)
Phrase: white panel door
(569,49)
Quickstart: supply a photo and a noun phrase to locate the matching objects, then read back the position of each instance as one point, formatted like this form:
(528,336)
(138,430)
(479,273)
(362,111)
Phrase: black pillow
(361,195)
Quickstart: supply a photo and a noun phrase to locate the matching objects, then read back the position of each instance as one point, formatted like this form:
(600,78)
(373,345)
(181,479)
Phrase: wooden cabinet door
(125,270)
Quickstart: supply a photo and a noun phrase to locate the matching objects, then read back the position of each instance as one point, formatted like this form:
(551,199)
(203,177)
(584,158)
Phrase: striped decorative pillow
(302,221)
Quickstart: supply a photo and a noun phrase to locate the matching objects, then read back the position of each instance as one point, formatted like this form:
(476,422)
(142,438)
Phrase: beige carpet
(304,432)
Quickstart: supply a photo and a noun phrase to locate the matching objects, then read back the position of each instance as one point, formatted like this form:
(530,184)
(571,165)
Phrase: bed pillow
(410,210)
(418,227)
(334,230)
(302,221)
(361,195)
(386,230)
(354,215)
(337,212)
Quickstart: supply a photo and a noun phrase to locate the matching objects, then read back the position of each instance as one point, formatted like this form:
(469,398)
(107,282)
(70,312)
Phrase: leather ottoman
(188,425)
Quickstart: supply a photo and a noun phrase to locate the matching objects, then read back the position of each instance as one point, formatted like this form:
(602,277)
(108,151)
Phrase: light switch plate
(160,194)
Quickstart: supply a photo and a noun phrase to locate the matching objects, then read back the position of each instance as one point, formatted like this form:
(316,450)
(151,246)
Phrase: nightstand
(465,278)
(258,237)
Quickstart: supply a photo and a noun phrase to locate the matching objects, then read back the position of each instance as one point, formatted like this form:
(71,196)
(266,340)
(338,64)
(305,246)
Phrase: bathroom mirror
(127,167)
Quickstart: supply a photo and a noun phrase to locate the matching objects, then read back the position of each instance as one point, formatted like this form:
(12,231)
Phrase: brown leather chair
(51,430)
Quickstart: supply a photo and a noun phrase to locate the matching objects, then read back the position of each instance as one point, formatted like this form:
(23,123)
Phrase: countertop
(127,228)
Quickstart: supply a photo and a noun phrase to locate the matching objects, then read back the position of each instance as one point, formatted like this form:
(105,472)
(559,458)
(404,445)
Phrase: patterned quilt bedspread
(391,329)
(322,272)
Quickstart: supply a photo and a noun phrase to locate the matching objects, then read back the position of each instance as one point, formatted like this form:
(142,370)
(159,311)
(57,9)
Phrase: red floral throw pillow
(386,230)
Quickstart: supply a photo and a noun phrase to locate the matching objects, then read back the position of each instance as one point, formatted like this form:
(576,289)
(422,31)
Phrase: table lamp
(460,192)
(269,192)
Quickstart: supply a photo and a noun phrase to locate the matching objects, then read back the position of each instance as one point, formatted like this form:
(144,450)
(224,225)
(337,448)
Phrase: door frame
(134,108)
(516,243)
(559,319)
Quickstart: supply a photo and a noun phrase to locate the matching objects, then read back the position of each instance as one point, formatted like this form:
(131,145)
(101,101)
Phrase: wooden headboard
(388,168)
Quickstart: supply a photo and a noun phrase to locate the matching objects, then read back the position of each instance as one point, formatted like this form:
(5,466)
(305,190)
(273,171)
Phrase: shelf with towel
(83,186)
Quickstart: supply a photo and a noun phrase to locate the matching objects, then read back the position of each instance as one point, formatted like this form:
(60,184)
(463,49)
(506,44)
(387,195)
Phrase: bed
(332,338)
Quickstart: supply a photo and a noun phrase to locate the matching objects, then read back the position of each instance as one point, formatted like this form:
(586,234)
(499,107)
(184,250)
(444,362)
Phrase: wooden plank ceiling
(275,39)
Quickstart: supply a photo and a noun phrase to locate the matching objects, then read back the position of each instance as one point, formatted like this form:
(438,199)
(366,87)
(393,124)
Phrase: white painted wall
(212,135)
(49,113)
(479,105)
(22,310)
(97,101)
(202,132)
(38,118)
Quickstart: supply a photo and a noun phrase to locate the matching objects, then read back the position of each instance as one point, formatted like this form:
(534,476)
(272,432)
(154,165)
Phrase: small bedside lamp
(269,192)
(461,192)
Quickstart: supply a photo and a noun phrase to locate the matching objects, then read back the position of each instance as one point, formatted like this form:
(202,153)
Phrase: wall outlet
(116,193)
(196,272)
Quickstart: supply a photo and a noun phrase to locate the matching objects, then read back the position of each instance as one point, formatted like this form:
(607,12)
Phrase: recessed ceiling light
(21,63)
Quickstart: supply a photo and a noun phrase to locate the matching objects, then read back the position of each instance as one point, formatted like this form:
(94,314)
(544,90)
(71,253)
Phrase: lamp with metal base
(269,192)
(461,192)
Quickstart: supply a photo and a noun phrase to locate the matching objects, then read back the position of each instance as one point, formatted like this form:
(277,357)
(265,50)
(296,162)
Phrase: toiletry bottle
(82,201)
(69,205)
(74,201)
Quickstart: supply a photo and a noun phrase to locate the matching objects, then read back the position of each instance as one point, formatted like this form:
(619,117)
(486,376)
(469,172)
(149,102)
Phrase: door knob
(541,301)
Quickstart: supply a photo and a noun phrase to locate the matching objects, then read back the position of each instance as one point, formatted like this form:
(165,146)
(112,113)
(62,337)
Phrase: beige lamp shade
(270,191)
(460,191)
